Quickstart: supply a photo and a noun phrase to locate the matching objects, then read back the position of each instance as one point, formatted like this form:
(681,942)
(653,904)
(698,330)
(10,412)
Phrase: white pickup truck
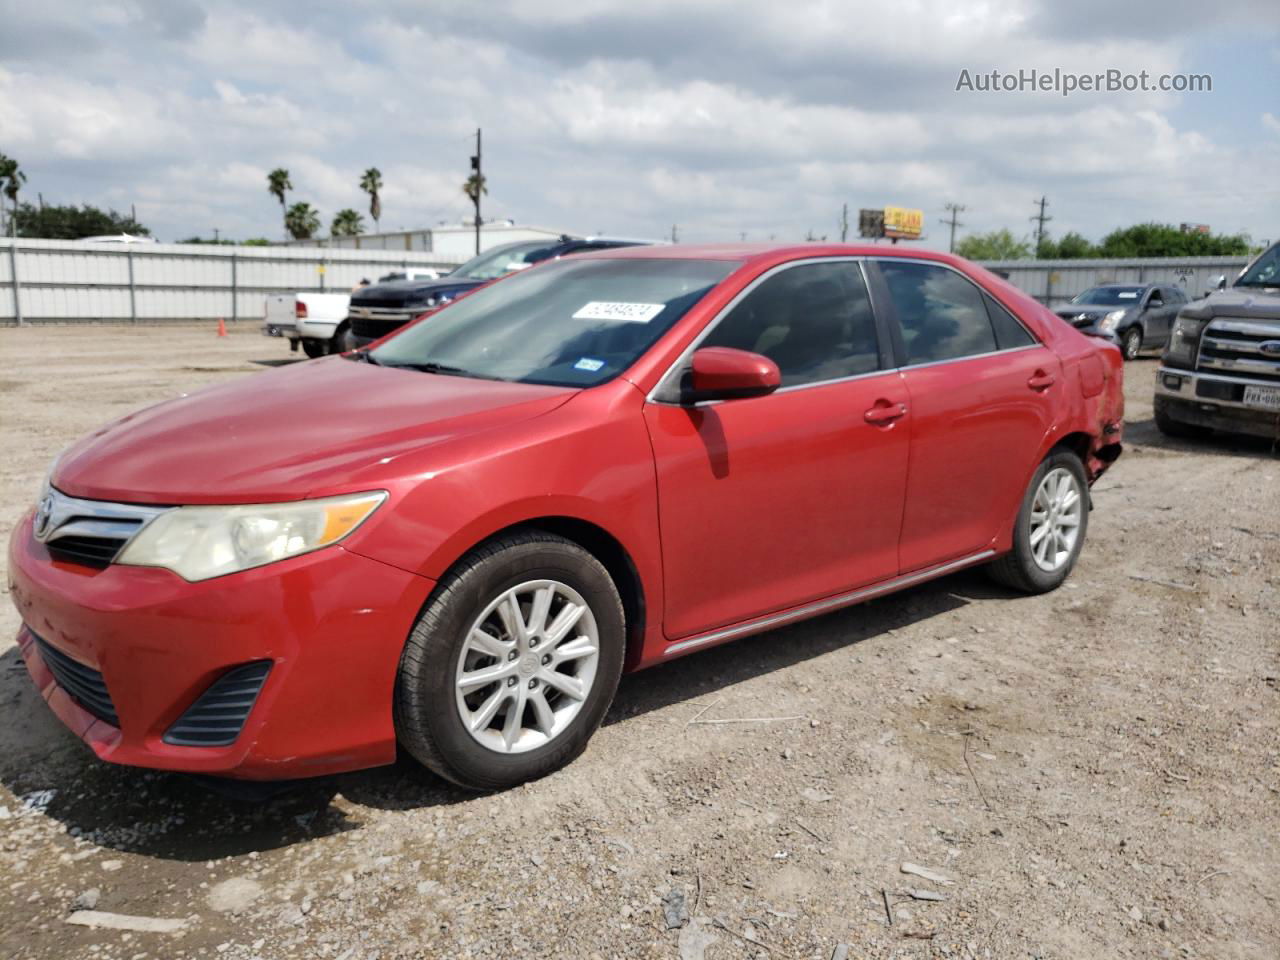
(318,321)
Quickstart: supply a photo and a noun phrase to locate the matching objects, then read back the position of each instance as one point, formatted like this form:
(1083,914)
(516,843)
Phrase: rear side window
(1009,332)
(942,314)
(814,321)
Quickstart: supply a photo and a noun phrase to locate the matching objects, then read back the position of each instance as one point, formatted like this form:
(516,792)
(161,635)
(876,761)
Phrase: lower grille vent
(219,714)
(82,684)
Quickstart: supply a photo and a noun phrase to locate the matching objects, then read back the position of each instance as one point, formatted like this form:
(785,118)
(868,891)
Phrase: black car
(1132,316)
(379,309)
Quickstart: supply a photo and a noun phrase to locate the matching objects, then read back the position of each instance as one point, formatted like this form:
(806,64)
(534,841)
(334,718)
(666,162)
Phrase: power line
(955,210)
(1041,219)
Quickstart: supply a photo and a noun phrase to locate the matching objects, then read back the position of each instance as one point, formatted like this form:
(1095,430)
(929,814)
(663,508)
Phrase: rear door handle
(885,412)
(1040,380)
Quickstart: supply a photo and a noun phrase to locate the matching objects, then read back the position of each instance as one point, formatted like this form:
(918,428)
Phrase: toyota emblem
(44,509)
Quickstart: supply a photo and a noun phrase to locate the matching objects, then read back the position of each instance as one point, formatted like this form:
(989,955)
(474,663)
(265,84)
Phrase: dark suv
(1131,316)
(1221,370)
(377,310)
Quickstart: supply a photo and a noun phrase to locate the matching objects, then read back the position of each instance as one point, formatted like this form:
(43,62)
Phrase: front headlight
(1184,341)
(198,543)
(1108,323)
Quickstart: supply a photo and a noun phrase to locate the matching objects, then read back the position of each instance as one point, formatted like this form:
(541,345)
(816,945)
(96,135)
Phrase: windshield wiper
(365,356)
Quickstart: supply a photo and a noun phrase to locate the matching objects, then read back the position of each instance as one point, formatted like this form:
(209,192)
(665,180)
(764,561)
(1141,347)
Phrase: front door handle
(1040,380)
(885,412)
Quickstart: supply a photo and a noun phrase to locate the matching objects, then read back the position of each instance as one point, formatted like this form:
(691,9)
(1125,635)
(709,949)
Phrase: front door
(774,501)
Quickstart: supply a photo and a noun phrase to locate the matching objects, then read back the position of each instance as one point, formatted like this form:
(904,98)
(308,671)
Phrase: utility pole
(955,210)
(844,223)
(479,187)
(1041,219)
(675,233)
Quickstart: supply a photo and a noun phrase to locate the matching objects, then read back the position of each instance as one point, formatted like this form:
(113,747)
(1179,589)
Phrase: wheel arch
(611,553)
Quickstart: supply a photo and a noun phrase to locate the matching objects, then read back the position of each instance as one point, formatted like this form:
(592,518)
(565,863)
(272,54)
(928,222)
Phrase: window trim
(668,383)
(895,324)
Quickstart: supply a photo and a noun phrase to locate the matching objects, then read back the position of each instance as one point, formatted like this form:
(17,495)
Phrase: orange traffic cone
(222,327)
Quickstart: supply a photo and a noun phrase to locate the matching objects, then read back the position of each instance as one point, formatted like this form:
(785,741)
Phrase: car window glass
(814,321)
(941,313)
(1009,332)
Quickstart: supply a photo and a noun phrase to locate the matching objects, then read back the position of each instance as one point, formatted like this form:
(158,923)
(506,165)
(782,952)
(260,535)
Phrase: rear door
(982,391)
(774,501)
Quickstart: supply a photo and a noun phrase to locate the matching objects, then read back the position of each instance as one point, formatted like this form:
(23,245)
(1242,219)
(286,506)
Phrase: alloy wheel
(527,666)
(1055,519)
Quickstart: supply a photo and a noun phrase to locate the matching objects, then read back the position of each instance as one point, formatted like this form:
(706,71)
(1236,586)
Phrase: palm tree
(302,221)
(371,183)
(476,185)
(347,223)
(277,184)
(11,179)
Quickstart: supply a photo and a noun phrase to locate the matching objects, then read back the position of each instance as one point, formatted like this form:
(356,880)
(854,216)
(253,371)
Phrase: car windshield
(571,323)
(1265,271)
(503,260)
(1110,296)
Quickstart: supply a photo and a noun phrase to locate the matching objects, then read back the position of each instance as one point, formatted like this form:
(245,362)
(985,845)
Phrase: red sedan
(460,538)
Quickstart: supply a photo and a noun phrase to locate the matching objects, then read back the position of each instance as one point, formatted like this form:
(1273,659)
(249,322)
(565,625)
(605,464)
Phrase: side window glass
(942,314)
(1009,332)
(814,321)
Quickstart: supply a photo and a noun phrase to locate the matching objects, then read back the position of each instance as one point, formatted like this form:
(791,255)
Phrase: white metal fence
(67,281)
(1053,282)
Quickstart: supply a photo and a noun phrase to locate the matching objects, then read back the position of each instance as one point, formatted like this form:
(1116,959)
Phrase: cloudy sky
(727,117)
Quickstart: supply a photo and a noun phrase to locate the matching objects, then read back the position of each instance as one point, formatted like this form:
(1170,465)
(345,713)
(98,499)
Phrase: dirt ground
(1096,772)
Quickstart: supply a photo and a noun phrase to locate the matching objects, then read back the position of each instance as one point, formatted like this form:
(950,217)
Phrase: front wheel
(1050,528)
(511,667)
(1131,343)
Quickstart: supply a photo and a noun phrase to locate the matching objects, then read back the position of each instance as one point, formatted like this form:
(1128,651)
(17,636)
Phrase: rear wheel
(512,665)
(1131,343)
(1049,531)
(315,348)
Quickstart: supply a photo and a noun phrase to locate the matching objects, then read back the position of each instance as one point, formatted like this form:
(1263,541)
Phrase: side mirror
(724,373)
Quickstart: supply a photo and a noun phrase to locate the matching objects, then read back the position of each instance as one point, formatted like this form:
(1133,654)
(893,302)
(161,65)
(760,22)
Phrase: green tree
(55,222)
(1166,240)
(278,184)
(302,221)
(256,242)
(347,223)
(371,183)
(996,245)
(11,180)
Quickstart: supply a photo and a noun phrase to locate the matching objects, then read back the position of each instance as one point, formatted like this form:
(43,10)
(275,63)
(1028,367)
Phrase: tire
(315,348)
(1131,343)
(1021,569)
(1176,428)
(445,650)
(341,341)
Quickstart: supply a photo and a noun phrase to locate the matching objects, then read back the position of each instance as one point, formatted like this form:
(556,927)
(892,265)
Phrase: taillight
(300,310)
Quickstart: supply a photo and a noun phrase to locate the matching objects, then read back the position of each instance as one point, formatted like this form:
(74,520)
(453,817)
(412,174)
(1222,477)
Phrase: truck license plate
(1264,398)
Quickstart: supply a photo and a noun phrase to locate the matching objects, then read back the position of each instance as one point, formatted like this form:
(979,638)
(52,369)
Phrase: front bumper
(332,623)
(1213,401)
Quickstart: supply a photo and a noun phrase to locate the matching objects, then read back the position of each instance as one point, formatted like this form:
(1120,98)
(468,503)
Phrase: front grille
(82,684)
(88,532)
(375,322)
(219,714)
(373,329)
(1232,348)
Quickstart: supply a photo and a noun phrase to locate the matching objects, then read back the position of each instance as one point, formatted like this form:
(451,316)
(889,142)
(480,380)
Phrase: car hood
(298,431)
(1245,303)
(408,291)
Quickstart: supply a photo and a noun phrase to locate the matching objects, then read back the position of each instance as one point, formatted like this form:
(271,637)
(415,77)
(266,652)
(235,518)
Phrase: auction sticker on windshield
(615,312)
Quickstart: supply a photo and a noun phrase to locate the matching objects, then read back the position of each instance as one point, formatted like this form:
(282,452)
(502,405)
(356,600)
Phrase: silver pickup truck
(1221,369)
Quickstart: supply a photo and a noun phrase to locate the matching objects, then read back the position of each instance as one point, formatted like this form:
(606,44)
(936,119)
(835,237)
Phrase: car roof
(749,252)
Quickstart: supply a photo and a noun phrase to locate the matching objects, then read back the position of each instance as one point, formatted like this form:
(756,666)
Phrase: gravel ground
(1092,773)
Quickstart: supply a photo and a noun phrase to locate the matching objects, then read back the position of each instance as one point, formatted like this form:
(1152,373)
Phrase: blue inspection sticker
(590,364)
